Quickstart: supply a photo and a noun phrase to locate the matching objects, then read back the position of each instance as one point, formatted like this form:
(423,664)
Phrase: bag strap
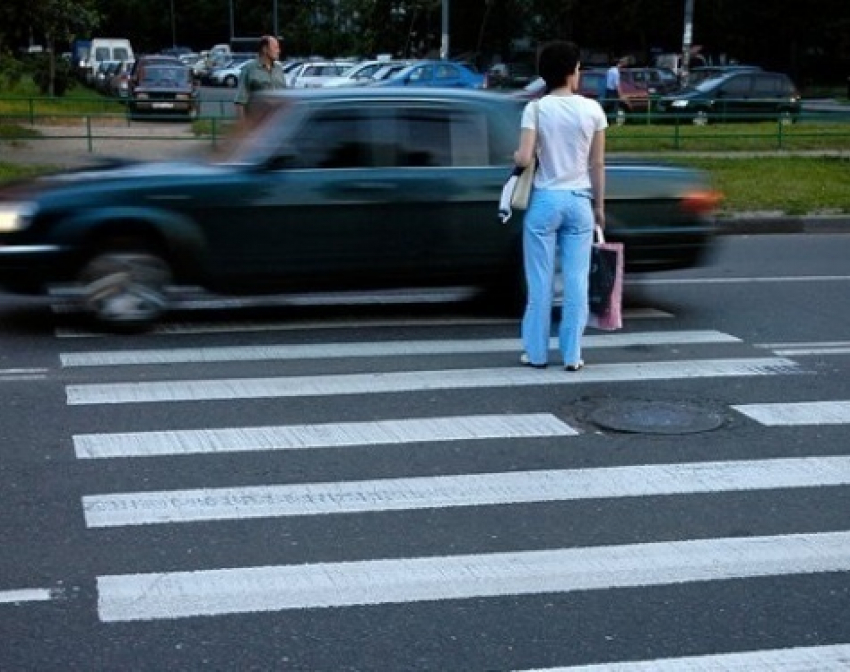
(600,234)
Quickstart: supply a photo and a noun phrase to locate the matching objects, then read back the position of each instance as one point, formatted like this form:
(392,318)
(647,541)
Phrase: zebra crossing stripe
(827,658)
(804,413)
(417,381)
(406,494)
(302,437)
(385,348)
(171,595)
(25,595)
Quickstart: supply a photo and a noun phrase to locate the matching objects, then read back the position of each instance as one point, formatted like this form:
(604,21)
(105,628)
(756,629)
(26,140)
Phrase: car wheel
(230,81)
(125,290)
(700,118)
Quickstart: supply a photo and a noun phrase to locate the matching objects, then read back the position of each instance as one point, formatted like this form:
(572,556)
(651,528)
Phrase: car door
(766,95)
(333,208)
(734,99)
(447,75)
(421,75)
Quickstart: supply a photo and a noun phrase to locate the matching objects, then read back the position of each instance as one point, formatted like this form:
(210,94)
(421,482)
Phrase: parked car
(104,74)
(509,75)
(703,72)
(634,99)
(362,73)
(445,74)
(164,89)
(228,75)
(341,188)
(119,84)
(220,61)
(736,96)
(314,74)
(655,81)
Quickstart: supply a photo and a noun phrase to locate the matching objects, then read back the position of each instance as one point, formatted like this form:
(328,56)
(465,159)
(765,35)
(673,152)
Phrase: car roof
(395,93)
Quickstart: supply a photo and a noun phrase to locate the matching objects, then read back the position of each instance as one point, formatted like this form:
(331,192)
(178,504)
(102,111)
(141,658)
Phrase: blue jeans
(562,220)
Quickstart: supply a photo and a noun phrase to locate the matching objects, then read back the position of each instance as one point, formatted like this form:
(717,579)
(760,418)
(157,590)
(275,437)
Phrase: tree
(58,21)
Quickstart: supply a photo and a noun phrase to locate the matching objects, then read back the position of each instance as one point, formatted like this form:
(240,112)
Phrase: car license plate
(162,106)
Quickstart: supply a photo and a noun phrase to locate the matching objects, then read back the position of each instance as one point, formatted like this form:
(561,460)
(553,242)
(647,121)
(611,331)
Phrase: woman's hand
(599,216)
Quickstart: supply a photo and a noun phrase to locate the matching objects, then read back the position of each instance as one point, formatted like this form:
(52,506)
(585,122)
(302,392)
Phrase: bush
(39,67)
(11,72)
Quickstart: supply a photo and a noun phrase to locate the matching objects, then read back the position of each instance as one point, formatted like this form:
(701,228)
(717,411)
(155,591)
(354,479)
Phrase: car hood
(141,174)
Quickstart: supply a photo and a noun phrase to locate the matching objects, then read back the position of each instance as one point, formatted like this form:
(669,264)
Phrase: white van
(106,49)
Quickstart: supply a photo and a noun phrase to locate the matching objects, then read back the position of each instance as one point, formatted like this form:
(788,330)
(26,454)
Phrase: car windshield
(166,76)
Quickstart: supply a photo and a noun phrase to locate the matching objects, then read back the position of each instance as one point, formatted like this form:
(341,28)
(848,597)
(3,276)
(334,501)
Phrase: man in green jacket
(262,74)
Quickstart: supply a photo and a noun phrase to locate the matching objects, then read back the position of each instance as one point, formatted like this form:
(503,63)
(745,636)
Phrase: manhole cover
(656,417)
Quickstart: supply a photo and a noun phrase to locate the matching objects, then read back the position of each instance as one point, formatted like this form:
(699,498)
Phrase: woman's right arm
(597,176)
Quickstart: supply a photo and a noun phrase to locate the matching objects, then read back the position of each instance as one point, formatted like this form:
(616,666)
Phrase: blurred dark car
(326,189)
(119,85)
(735,96)
(164,89)
(441,74)
(103,75)
(592,85)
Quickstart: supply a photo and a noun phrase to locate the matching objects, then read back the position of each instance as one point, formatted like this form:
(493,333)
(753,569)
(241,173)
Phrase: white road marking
(405,494)
(415,381)
(738,281)
(827,658)
(302,437)
(373,349)
(25,595)
(170,595)
(14,375)
(803,413)
(231,327)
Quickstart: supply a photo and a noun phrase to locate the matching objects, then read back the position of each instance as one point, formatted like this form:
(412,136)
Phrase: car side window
(334,139)
(421,74)
(440,137)
(737,87)
(766,85)
(445,72)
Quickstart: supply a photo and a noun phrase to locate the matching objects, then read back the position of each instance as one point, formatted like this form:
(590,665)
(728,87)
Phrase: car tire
(230,81)
(125,290)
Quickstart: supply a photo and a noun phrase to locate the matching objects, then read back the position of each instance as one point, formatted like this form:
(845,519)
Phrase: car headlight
(679,103)
(142,96)
(15,216)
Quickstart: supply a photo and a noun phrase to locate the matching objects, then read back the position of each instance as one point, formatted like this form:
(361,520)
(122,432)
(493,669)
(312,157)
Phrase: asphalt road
(316,485)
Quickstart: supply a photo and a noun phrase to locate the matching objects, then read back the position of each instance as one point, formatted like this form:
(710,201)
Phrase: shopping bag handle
(600,235)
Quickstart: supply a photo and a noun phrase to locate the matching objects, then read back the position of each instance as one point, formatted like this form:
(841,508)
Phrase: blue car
(443,74)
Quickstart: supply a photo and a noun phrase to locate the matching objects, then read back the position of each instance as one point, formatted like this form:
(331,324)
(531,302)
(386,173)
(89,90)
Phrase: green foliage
(793,185)
(12,71)
(39,67)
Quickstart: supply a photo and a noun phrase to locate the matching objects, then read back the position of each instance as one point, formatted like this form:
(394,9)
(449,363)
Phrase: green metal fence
(93,121)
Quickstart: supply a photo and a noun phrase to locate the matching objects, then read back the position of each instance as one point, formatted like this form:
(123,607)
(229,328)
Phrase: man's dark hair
(556,61)
(264,42)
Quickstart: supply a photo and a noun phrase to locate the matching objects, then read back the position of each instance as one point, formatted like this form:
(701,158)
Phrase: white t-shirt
(567,126)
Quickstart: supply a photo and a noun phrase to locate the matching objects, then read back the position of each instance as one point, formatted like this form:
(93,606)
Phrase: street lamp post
(687,37)
(173,27)
(444,42)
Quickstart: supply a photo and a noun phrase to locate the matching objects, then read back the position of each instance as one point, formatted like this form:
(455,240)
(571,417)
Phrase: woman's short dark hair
(556,61)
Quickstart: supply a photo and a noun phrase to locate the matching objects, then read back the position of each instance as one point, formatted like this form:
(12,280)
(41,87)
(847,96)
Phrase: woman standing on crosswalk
(567,134)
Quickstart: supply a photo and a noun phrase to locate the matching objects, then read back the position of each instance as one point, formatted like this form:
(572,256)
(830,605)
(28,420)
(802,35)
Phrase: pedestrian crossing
(404,367)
